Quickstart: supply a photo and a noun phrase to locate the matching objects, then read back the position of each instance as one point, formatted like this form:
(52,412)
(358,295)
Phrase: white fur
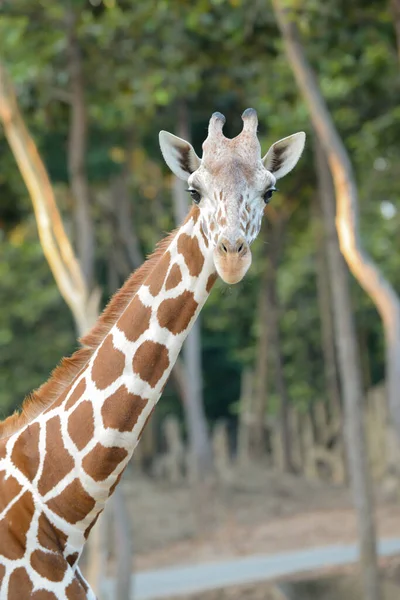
(294,145)
(172,147)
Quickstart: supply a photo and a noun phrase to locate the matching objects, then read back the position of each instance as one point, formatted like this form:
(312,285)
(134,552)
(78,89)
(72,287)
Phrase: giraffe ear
(283,155)
(179,155)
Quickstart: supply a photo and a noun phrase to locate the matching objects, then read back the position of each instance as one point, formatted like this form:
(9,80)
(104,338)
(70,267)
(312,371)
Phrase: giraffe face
(231,184)
(231,207)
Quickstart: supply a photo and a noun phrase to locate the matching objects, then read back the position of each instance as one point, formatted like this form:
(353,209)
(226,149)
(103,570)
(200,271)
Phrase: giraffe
(63,455)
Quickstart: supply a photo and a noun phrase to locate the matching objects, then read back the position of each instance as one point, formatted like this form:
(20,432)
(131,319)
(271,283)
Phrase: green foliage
(36,329)
(140,60)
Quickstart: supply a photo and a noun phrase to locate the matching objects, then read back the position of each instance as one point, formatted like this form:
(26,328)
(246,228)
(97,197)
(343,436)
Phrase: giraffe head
(231,184)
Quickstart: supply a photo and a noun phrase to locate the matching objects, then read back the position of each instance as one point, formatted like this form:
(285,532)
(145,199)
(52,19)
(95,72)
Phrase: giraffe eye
(195,196)
(268,194)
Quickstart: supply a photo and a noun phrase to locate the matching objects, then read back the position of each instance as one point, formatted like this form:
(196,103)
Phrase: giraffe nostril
(237,248)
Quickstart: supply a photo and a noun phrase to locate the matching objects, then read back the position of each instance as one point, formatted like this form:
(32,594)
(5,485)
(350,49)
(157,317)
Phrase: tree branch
(56,245)
(77,149)
(347,219)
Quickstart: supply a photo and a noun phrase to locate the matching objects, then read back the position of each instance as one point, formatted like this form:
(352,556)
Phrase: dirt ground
(262,512)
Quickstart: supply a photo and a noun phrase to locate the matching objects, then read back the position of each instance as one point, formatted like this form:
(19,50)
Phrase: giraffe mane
(64,374)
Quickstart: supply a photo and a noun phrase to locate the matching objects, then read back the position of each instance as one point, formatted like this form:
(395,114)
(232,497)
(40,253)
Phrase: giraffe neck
(68,461)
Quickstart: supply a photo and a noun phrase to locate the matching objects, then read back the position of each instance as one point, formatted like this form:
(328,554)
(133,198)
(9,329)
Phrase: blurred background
(246,453)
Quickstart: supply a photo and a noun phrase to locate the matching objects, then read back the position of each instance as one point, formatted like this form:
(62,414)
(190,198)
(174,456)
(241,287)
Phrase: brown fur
(20,585)
(150,362)
(190,249)
(65,505)
(14,527)
(48,565)
(176,313)
(68,369)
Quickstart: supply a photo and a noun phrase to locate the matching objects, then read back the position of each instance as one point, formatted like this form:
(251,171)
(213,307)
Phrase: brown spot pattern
(3,449)
(81,424)
(75,591)
(25,454)
(73,503)
(14,527)
(190,250)
(204,236)
(9,488)
(102,461)
(57,462)
(76,394)
(157,277)
(108,365)
(135,320)
(150,362)
(49,565)
(49,536)
(122,409)
(20,585)
(195,213)
(43,595)
(210,282)
(72,558)
(176,313)
(174,277)
(2,572)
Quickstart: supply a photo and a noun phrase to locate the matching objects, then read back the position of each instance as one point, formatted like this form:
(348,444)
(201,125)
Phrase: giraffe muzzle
(232,259)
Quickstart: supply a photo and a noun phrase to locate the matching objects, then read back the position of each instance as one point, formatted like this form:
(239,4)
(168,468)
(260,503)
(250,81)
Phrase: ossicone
(216,124)
(250,120)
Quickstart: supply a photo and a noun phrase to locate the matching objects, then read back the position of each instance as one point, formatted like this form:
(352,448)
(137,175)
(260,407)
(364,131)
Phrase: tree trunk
(126,228)
(56,246)
(360,263)
(351,380)
(325,301)
(95,554)
(123,546)
(258,406)
(85,242)
(93,561)
(199,439)
(77,150)
(245,418)
(395,8)
(275,236)
(373,283)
